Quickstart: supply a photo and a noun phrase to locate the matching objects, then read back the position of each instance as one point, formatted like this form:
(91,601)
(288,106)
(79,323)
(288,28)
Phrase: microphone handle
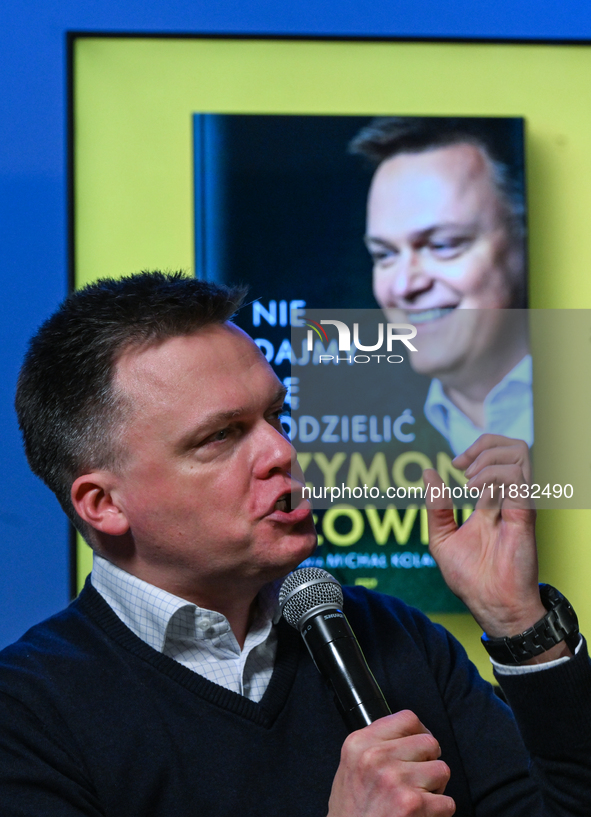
(339,659)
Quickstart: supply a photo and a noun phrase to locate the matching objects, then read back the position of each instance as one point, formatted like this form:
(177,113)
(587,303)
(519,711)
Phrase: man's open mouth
(427,315)
(287,502)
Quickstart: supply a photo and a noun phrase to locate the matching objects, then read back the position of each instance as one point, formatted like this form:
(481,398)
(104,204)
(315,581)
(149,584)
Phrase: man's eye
(379,256)
(449,247)
(219,436)
(278,415)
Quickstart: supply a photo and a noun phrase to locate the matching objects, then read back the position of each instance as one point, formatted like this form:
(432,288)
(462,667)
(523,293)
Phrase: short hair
(67,407)
(500,139)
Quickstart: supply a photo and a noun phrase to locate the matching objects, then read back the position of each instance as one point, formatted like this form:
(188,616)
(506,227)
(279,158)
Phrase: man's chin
(299,554)
(309,547)
(430,366)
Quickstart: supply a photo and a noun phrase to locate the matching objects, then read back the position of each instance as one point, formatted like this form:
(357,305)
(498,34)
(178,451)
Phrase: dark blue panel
(33,532)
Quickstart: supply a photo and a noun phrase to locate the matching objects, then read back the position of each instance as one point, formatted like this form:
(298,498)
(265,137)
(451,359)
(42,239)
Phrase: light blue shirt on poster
(508,410)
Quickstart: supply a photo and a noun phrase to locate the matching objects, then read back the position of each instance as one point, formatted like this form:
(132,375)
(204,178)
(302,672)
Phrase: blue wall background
(34,579)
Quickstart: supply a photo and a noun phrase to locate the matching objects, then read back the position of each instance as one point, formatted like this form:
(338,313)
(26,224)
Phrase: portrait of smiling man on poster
(447,201)
(446,232)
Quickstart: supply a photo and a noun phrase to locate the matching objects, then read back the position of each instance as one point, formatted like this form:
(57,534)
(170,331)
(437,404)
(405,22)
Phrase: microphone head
(305,590)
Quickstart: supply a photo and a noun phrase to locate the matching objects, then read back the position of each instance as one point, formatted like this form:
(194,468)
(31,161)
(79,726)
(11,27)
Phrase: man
(164,689)
(446,232)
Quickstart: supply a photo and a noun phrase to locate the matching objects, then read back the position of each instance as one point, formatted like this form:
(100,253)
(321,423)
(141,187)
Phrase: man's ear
(94,502)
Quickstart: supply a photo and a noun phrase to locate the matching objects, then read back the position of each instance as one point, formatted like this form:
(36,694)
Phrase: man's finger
(440,513)
(501,486)
(437,494)
(398,725)
(492,442)
(503,455)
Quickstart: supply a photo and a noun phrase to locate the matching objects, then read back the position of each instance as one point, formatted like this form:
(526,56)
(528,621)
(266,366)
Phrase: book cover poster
(423,218)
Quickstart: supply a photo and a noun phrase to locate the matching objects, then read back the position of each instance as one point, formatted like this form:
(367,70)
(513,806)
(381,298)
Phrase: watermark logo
(394,332)
(315,327)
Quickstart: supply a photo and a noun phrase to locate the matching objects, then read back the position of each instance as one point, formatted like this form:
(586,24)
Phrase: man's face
(207,464)
(437,235)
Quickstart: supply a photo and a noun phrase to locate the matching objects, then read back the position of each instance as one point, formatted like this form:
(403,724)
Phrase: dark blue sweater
(95,722)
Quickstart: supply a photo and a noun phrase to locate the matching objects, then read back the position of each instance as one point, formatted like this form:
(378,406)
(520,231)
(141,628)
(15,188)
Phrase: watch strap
(559,624)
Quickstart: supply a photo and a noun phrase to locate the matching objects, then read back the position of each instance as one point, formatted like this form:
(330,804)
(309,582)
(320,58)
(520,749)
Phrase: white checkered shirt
(199,639)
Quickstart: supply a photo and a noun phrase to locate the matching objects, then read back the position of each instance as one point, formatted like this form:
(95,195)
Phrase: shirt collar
(505,400)
(155,615)
(522,373)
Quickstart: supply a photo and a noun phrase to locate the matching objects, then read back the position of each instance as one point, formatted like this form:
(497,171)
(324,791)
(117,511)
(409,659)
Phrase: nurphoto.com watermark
(430,492)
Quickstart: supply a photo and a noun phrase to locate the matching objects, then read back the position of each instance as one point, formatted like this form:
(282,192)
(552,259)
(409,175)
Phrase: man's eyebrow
(280,395)
(370,239)
(427,232)
(451,225)
(219,418)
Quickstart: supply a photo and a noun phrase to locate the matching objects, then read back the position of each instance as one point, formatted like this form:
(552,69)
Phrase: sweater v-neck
(263,713)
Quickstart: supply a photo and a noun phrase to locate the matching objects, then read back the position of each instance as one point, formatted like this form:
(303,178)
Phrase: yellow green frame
(132,102)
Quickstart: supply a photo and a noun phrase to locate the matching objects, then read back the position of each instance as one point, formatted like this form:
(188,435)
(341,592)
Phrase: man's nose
(408,276)
(273,452)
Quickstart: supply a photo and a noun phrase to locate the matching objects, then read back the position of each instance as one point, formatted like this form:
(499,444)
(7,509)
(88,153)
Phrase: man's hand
(490,562)
(391,769)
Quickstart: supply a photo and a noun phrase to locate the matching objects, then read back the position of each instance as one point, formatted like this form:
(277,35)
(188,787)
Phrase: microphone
(310,600)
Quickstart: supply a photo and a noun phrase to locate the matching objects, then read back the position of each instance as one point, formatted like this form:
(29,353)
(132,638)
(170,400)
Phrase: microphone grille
(305,589)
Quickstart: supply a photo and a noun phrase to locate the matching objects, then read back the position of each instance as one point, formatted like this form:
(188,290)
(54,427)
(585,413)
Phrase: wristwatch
(559,624)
